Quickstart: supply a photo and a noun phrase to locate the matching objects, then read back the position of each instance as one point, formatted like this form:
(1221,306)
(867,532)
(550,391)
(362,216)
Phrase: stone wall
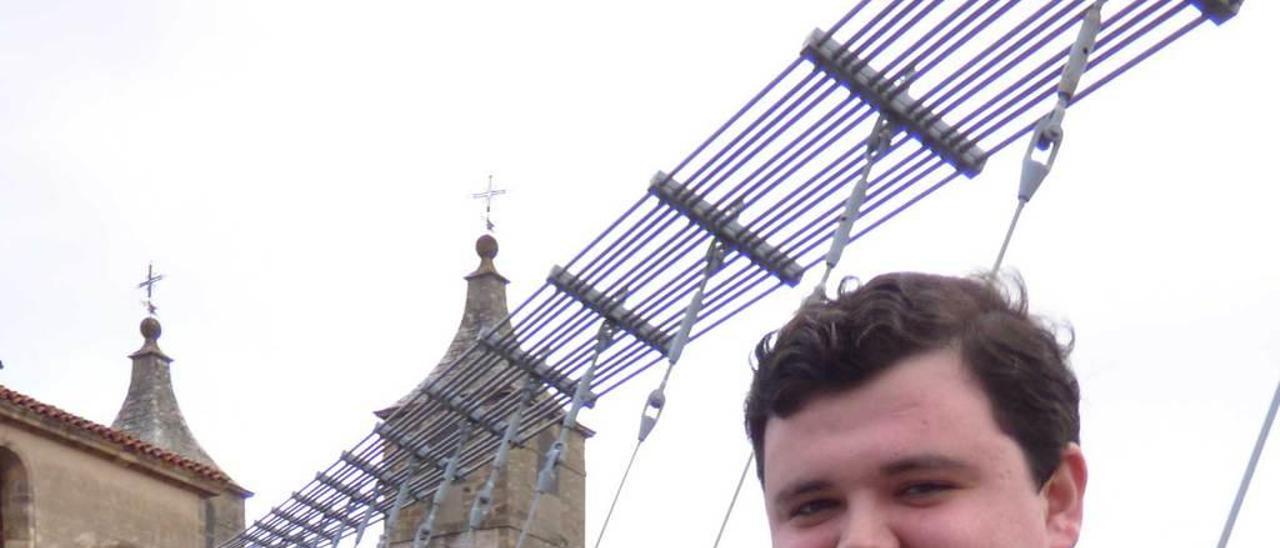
(561,515)
(225,513)
(83,499)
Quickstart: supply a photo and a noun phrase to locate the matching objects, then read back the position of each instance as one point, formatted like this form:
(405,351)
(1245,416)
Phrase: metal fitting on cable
(604,337)
(652,412)
(658,398)
(1078,60)
(714,262)
(1047,134)
(1048,131)
(422,535)
(546,476)
(1218,11)
(402,498)
(878,143)
(484,499)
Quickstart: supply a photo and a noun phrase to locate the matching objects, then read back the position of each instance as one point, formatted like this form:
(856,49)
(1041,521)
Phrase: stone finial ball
(487,247)
(151,328)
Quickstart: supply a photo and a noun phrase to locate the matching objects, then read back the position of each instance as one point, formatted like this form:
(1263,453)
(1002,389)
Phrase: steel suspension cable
(1048,133)
(877,144)
(742,478)
(706,185)
(768,113)
(656,403)
(546,476)
(483,503)
(1009,44)
(1248,471)
(1047,70)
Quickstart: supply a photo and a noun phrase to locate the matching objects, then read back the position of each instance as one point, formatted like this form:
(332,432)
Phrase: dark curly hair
(835,345)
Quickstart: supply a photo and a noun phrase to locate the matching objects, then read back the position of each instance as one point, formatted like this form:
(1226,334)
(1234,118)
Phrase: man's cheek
(826,536)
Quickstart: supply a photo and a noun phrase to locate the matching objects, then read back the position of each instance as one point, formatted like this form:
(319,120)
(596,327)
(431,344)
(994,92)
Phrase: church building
(143,482)
(560,519)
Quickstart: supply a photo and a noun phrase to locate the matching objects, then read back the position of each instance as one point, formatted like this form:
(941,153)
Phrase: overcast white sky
(300,172)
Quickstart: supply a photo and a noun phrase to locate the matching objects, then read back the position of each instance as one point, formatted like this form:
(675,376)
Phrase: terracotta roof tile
(130,443)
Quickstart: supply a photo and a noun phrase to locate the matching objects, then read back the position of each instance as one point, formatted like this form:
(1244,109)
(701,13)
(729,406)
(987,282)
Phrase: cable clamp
(1048,137)
(653,406)
(1078,60)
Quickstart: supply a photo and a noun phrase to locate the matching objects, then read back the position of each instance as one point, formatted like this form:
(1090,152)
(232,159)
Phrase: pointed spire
(485,307)
(486,299)
(150,410)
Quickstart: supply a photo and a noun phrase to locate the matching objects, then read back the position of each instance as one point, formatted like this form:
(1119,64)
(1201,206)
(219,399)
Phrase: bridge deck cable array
(960,82)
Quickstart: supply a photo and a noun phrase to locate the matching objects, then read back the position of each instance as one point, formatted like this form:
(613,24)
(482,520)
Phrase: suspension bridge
(876,112)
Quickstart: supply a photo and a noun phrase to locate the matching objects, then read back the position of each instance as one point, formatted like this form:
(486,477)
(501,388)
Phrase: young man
(918,411)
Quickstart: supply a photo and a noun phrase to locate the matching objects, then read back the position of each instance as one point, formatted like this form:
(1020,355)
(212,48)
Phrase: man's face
(912,459)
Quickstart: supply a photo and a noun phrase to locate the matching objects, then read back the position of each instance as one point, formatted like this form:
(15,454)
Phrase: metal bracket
(723,227)
(511,352)
(1218,11)
(896,104)
(610,308)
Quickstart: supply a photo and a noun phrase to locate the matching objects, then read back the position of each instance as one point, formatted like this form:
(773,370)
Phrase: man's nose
(866,529)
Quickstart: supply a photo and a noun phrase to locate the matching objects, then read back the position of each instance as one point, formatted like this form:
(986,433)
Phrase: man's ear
(1064,498)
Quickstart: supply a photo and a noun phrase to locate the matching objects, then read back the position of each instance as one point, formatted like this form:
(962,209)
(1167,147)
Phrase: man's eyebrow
(926,461)
(802,488)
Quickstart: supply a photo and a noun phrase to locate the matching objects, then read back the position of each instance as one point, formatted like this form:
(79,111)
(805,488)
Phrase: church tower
(150,413)
(560,518)
(150,410)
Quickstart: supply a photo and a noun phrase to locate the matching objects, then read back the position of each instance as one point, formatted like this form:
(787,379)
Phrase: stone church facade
(143,482)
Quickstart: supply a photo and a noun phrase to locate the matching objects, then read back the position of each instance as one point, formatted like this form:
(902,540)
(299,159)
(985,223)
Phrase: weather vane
(149,283)
(487,196)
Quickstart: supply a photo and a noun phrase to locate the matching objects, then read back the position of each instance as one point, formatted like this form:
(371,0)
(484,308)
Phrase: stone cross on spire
(149,284)
(488,196)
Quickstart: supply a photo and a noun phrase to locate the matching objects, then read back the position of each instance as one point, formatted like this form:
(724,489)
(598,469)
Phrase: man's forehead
(935,377)
(927,405)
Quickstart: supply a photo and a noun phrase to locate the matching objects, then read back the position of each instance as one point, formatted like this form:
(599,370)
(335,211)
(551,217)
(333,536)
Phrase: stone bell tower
(150,410)
(150,413)
(560,518)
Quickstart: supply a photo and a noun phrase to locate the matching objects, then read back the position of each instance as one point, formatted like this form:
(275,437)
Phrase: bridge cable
(1048,132)
(402,498)
(877,145)
(483,503)
(657,400)
(547,475)
(1248,471)
(736,490)
(426,529)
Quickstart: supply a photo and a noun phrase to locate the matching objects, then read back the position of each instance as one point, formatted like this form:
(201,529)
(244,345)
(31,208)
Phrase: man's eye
(924,490)
(812,508)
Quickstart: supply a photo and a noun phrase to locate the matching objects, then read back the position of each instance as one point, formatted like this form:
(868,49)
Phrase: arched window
(15,502)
